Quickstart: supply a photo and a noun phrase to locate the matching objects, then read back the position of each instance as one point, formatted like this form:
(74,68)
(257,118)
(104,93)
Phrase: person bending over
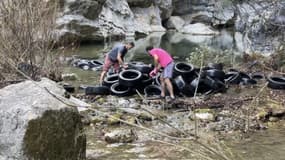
(162,59)
(115,58)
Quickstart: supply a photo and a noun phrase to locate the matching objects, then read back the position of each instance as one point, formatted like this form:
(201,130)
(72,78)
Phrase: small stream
(262,145)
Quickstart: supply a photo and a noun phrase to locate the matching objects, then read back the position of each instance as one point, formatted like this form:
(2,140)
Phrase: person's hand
(125,66)
(153,72)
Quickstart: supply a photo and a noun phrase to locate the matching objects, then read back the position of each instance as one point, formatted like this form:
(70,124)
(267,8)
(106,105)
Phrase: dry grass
(27,39)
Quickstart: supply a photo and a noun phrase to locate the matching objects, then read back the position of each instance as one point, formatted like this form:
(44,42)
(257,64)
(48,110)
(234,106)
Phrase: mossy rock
(113,119)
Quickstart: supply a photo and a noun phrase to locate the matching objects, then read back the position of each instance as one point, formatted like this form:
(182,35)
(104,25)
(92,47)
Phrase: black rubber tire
(183,87)
(247,81)
(157,79)
(130,78)
(183,69)
(232,78)
(216,74)
(203,87)
(97,90)
(120,90)
(84,66)
(216,85)
(146,80)
(218,66)
(143,68)
(257,76)
(110,80)
(244,75)
(69,88)
(94,63)
(276,82)
(152,90)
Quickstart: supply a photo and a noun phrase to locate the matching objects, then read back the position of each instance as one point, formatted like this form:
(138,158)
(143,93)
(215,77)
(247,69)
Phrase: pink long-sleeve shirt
(164,57)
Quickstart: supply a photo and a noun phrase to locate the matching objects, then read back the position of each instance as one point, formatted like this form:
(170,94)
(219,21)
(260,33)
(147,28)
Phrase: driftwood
(211,103)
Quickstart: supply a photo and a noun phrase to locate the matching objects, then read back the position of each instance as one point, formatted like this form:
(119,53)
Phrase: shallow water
(263,145)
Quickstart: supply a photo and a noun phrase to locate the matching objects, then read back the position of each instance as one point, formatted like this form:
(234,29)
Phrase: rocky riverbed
(126,126)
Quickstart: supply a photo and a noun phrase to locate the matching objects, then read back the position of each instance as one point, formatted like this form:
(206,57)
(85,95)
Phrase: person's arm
(156,63)
(119,58)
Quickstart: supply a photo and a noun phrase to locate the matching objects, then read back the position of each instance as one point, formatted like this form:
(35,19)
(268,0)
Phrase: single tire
(247,81)
(69,88)
(257,76)
(146,80)
(130,78)
(157,79)
(84,66)
(110,80)
(143,68)
(232,78)
(183,69)
(152,90)
(120,90)
(97,90)
(218,66)
(201,86)
(95,63)
(184,88)
(276,82)
(244,75)
(216,74)
(215,84)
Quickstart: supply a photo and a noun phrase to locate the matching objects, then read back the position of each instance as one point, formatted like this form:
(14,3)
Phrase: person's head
(148,48)
(130,45)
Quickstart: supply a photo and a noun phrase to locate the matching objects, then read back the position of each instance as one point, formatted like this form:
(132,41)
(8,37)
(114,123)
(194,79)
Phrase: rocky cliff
(94,20)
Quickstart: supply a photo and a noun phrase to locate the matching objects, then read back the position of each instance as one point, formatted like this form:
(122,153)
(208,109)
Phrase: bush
(27,39)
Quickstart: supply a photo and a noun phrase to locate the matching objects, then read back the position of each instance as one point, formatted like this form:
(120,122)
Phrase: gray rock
(223,14)
(258,31)
(147,20)
(198,11)
(165,7)
(203,116)
(90,9)
(35,125)
(175,22)
(120,136)
(198,29)
(140,3)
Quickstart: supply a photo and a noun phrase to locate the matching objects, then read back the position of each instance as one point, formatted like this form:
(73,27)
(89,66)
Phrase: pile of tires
(87,64)
(186,80)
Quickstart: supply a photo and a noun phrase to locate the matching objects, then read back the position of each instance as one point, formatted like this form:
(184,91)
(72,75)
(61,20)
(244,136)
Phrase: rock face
(95,20)
(35,125)
(175,22)
(257,22)
(198,29)
(109,18)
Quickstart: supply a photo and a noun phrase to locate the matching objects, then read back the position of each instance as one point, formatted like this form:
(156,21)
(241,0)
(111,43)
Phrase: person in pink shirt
(162,59)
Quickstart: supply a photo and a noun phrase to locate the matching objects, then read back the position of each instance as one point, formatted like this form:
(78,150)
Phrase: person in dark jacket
(115,58)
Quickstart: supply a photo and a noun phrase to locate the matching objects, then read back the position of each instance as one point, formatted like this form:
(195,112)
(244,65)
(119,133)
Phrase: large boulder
(198,29)
(194,11)
(147,20)
(36,125)
(166,8)
(175,22)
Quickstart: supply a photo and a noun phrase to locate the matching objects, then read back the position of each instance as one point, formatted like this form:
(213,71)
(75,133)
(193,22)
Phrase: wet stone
(120,136)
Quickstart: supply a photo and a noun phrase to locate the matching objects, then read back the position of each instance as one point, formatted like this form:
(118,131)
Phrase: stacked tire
(186,80)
